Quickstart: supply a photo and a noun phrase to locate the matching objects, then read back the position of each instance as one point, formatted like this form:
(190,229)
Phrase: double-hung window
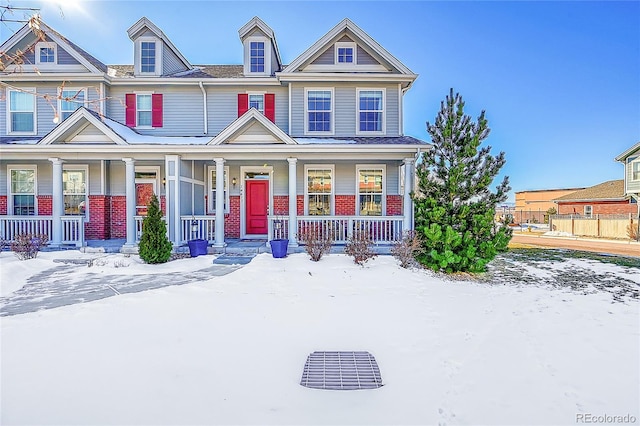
(371,191)
(257,101)
(45,53)
(74,189)
(22,190)
(635,170)
(588,211)
(213,189)
(22,112)
(71,100)
(143,110)
(148,57)
(371,111)
(345,53)
(319,111)
(256,55)
(319,190)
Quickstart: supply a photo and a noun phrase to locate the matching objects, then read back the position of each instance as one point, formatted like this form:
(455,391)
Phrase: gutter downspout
(204,101)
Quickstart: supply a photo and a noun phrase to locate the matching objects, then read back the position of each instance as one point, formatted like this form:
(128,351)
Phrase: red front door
(257,202)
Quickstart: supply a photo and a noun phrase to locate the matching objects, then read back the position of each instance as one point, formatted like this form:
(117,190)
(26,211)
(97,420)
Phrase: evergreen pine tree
(154,246)
(454,207)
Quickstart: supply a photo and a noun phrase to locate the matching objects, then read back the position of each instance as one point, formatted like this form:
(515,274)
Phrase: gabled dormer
(154,55)
(261,55)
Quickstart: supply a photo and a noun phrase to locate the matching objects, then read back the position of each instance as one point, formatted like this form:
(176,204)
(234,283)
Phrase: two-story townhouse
(266,146)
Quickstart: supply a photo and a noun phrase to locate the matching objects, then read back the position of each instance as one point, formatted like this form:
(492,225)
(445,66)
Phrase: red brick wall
(345,205)
(3,204)
(603,207)
(45,205)
(118,213)
(300,205)
(232,220)
(163,205)
(99,213)
(394,205)
(281,205)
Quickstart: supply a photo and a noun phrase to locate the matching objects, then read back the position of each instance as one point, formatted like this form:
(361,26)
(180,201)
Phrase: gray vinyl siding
(44,110)
(364,58)
(3,111)
(95,177)
(170,62)
(345,108)
(45,175)
(222,104)
(326,58)
(65,58)
(632,186)
(117,175)
(182,109)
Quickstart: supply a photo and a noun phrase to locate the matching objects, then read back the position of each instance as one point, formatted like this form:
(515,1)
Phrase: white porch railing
(72,228)
(191,228)
(382,229)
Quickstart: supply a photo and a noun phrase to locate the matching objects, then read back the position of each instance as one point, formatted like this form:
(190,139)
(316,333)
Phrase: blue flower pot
(279,247)
(197,247)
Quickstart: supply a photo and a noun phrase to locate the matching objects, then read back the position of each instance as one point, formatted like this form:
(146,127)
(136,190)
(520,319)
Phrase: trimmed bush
(406,250)
(317,240)
(360,247)
(154,245)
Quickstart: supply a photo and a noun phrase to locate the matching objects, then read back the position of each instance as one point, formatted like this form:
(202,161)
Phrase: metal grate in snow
(341,370)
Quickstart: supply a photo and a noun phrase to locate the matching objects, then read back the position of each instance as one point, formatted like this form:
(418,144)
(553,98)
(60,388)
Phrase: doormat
(341,371)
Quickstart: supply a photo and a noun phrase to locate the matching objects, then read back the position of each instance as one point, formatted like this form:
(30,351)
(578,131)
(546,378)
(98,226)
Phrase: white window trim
(10,193)
(85,168)
(306,110)
(332,196)
(210,209)
(247,56)
(382,167)
(138,93)
(249,94)
(342,44)
(138,56)
(633,164)
(50,45)
(31,91)
(384,110)
(71,89)
(591,210)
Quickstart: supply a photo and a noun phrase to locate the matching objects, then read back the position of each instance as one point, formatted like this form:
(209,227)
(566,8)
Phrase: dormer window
(148,56)
(46,53)
(257,56)
(345,53)
(257,102)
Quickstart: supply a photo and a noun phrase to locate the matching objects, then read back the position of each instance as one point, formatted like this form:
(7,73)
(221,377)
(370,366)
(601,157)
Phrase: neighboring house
(268,147)
(540,199)
(631,160)
(605,198)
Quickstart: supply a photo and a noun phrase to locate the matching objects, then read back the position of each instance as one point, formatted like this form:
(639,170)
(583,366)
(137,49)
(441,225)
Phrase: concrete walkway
(54,287)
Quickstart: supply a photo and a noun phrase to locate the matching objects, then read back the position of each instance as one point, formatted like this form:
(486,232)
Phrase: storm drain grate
(341,371)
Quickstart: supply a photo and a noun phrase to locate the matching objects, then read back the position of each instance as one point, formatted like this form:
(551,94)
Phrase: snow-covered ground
(231,350)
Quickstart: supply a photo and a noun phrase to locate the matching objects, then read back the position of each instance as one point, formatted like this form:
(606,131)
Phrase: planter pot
(197,247)
(279,247)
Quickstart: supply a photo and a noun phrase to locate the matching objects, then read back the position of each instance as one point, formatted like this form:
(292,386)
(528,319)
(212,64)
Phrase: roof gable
(20,52)
(347,30)
(252,127)
(635,149)
(82,127)
(610,190)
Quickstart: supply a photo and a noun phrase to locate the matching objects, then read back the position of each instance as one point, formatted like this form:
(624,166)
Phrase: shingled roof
(612,190)
(199,71)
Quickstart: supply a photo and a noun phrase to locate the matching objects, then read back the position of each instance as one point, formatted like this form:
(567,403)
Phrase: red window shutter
(243,103)
(130,110)
(156,110)
(270,106)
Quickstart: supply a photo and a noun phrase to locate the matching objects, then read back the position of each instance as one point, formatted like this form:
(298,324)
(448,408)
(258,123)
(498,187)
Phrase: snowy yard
(514,347)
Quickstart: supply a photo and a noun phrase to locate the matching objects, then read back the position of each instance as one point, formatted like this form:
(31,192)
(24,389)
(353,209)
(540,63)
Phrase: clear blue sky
(560,81)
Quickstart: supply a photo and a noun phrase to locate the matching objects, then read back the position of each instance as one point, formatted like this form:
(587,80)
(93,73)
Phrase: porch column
(219,202)
(57,202)
(130,192)
(293,202)
(172,199)
(407,206)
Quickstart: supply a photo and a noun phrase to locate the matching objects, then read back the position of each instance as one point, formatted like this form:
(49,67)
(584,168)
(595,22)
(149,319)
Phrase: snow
(558,234)
(310,141)
(230,350)
(133,137)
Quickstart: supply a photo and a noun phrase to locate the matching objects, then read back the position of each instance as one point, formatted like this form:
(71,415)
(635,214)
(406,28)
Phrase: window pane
(144,118)
(257,102)
(345,54)
(370,181)
(21,101)
(257,56)
(371,205)
(71,101)
(319,205)
(371,107)
(213,190)
(22,121)
(47,54)
(144,102)
(24,205)
(23,181)
(148,56)
(319,101)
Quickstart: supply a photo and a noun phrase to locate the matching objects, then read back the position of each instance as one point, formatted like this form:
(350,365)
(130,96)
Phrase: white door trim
(243,171)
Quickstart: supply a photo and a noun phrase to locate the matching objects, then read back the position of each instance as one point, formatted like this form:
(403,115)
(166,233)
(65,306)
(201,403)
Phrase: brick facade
(3,204)
(232,220)
(394,205)
(118,213)
(599,207)
(99,218)
(45,205)
(345,205)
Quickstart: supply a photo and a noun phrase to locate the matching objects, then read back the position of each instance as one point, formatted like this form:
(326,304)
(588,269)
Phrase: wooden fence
(601,226)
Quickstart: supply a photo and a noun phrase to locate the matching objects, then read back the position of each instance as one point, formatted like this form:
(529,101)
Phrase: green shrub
(154,245)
